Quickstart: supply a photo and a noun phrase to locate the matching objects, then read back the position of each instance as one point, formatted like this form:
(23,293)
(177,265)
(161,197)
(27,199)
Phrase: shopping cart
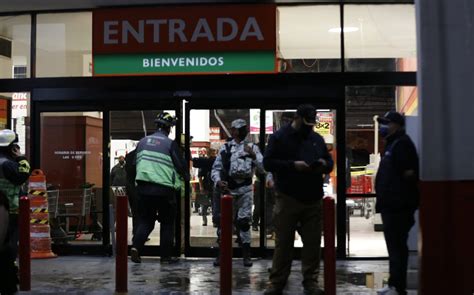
(71,204)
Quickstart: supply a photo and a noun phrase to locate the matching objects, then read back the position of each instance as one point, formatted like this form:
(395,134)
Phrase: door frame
(105,101)
(321,96)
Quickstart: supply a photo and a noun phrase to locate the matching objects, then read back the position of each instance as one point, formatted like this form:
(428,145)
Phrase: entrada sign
(186,39)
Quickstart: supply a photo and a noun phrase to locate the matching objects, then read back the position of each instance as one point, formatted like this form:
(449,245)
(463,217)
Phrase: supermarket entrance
(208,124)
(78,135)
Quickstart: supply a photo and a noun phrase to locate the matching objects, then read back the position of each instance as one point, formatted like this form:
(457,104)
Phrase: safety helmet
(165,119)
(7,137)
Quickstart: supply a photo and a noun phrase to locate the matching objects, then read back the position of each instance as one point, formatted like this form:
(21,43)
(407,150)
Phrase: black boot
(246,255)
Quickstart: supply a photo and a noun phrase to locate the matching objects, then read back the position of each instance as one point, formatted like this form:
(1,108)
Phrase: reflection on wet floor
(92,275)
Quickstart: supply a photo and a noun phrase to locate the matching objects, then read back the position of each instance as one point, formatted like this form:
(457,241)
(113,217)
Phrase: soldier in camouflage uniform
(233,173)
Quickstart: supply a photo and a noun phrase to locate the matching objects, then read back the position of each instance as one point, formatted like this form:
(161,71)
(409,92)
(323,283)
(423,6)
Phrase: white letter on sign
(220,29)
(176,26)
(156,28)
(146,63)
(138,35)
(108,32)
(251,24)
(203,26)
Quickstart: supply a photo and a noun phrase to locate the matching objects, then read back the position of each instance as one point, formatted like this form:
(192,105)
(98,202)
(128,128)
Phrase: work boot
(246,255)
(273,290)
(135,256)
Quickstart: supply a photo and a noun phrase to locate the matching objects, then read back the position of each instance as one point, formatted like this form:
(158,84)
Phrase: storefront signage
(255,121)
(186,39)
(19,105)
(325,126)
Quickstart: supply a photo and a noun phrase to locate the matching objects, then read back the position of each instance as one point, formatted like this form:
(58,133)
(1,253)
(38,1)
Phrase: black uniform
(397,201)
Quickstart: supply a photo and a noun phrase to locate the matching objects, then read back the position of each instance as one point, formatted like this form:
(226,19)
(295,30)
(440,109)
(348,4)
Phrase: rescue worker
(15,171)
(396,185)
(233,173)
(161,168)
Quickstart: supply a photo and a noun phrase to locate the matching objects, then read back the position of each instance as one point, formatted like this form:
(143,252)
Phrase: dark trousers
(396,226)
(13,234)
(269,204)
(289,213)
(133,203)
(148,208)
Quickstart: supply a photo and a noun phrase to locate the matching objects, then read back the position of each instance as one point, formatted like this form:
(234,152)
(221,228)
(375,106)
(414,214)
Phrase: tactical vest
(11,191)
(154,162)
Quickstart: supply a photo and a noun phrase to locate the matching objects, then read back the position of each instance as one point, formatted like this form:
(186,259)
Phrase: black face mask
(122,162)
(305,130)
(243,133)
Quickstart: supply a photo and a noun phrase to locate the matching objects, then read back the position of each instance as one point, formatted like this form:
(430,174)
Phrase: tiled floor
(96,275)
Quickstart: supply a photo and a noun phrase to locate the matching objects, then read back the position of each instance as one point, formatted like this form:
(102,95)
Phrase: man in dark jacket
(14,172)
(131,172)
(161,169)
(118,174)
(396,186)
(298,158)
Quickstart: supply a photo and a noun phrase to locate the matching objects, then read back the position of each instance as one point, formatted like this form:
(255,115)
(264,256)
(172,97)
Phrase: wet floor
(96,275)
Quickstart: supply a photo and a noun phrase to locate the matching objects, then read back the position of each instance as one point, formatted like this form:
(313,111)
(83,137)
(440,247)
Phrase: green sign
(166,63)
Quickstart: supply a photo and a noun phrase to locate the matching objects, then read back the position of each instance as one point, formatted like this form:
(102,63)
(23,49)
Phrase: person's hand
(302,166)
(249,151)
(223,185)
(320,168)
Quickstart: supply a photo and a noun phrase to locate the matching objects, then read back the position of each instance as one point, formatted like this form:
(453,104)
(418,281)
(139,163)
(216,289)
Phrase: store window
(15,36)
(309,38)
(380,38)
(64,44)
(73,167)
(363,151)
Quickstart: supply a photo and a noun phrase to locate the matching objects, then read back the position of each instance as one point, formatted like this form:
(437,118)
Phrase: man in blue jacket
(298,159)
(396,186)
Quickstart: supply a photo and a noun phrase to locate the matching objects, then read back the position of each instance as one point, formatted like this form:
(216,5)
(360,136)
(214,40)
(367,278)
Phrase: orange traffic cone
(40,233)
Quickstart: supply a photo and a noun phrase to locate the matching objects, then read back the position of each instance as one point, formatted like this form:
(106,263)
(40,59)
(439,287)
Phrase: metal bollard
(25,246)
(329,246)
(226,245)
(121,258)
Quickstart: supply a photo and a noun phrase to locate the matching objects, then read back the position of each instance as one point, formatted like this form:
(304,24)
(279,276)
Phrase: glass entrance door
(209,129)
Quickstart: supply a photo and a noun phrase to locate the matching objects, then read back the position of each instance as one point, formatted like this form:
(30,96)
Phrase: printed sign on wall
(185,39)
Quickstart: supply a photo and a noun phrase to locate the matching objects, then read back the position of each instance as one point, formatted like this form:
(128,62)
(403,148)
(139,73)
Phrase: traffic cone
(40,233)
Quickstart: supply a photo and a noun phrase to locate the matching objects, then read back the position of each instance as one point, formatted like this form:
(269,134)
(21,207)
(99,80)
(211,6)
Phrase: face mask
(122,162)
(243,133)
(383,130)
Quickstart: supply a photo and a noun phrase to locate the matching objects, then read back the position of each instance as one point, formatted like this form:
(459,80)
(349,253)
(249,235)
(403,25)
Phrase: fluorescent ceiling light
(346,30)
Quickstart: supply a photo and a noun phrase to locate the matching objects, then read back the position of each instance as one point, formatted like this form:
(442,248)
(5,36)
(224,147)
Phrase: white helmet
(7,137)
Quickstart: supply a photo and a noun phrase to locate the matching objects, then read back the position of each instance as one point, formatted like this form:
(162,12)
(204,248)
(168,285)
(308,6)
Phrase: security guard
(233,173)
(161,169)
(14,172)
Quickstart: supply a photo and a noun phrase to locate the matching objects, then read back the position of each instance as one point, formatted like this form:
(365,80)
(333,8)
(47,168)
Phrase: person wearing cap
(232,173)
(396,186)
(14,172)
(160,170)
(298,159)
